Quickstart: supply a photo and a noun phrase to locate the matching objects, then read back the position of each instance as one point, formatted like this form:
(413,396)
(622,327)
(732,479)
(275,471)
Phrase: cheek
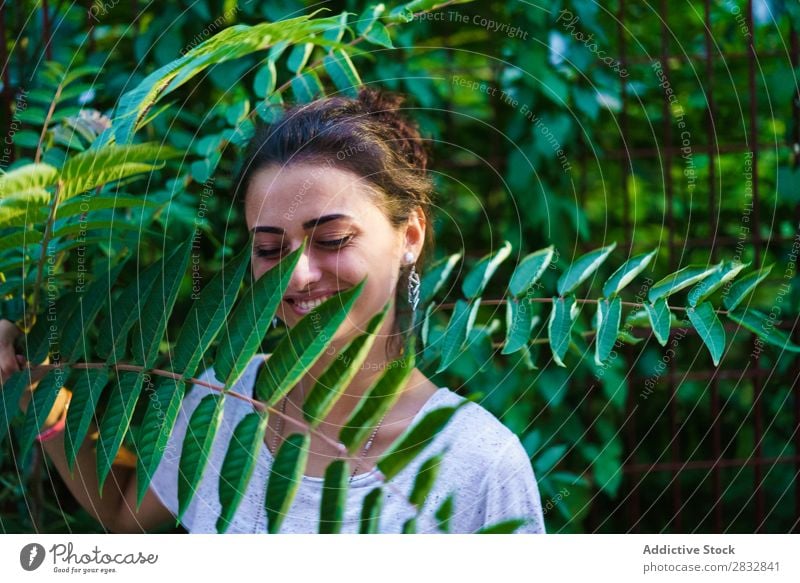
(257,267)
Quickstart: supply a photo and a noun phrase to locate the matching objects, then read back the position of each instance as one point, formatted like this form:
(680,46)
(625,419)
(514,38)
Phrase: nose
(306,273)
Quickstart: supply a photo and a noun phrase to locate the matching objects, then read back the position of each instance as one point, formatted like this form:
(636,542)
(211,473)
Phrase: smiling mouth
(307,305)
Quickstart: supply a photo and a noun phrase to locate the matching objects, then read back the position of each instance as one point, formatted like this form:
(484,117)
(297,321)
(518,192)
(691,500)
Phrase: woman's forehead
(283,197)
(308,225)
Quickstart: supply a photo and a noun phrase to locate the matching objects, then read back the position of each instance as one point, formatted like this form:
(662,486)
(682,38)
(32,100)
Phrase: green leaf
(96,167)
(368,17)
(371,512)
(303,345)
(277,50)
(764,327)
(679,280)
(152,321)
(458,329)
(35,116)
(20,239)
(298,57)
(519,324)
(637,319)
(342,72)
(659,316)
(208,313)
(265,79)
(77,206)
(626,273)
(36,344)
(27,178)
(380,397)
(240,461)
(704,319)
(559,329)
(444,513)
(250,320)
(415,439)
(379,35)
(335,33)
(116,420)
(86,392)
(307,87)
(337,376)
(581,269)
(726,272)
(426,324)
(476,280)
(628,338)
(26,139)
(609,315)
(530,270)
(230,43)
(112,338)
(23,210)
(547,460)
(197,442)
(40,405)
(425,479)
(74,335)
(284,478)
(739,290)
(11,393)
(436,277)
(504,527)
(110,229)
(334,498)
(607,468)
(152,440)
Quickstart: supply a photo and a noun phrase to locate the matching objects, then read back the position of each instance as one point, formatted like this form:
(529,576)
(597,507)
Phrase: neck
(370,370)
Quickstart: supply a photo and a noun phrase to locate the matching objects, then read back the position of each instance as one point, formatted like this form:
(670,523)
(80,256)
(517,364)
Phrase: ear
(414,238)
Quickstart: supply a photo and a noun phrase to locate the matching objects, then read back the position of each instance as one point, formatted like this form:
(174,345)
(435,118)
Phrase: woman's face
(349,238)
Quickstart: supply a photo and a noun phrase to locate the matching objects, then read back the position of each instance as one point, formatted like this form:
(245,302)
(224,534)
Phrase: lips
(304,306)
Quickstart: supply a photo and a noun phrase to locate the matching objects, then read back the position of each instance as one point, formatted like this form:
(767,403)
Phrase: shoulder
(474,434)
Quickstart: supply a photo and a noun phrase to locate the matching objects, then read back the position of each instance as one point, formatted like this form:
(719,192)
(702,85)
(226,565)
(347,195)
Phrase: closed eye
(336,242)
(331,244)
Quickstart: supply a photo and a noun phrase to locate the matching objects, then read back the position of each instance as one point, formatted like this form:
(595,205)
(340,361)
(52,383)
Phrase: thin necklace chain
(279,433)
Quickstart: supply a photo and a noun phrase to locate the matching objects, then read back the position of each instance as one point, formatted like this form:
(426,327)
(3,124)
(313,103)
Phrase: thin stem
(47,123)
(500,301)
(30,317)
(258,405)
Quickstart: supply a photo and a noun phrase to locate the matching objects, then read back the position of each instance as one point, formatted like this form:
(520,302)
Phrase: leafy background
(609,457)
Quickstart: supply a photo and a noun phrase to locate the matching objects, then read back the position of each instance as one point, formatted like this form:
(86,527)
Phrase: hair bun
(385,107)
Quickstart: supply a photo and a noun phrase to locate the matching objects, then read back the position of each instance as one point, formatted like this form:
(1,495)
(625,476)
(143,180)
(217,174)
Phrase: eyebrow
(307,225)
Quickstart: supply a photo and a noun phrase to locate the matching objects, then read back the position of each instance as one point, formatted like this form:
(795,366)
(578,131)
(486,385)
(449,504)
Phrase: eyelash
(335,244)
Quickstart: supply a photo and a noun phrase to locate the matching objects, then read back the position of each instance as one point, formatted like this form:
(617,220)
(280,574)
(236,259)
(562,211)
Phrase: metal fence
(659,486)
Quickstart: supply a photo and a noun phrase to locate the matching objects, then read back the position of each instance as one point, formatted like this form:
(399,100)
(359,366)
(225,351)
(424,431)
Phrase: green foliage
(135,178)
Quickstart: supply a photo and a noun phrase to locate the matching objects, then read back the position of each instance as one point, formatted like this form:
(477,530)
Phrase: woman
(349,174)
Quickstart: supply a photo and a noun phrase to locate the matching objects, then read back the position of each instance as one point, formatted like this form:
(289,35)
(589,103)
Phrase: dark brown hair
(367,135)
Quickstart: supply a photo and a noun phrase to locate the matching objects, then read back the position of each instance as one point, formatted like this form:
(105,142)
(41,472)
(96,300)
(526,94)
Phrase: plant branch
(47,119)
(357,40)
(258,405)
(500,301)
(30,316)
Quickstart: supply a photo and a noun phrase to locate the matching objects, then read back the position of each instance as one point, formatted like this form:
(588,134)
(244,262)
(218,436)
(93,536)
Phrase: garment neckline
(267,456)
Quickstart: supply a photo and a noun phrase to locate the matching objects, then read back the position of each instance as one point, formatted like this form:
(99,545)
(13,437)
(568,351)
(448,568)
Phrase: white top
(486,468)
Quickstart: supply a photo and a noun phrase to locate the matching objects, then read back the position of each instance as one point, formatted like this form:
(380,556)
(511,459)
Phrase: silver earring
(413,281)
(275,322)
